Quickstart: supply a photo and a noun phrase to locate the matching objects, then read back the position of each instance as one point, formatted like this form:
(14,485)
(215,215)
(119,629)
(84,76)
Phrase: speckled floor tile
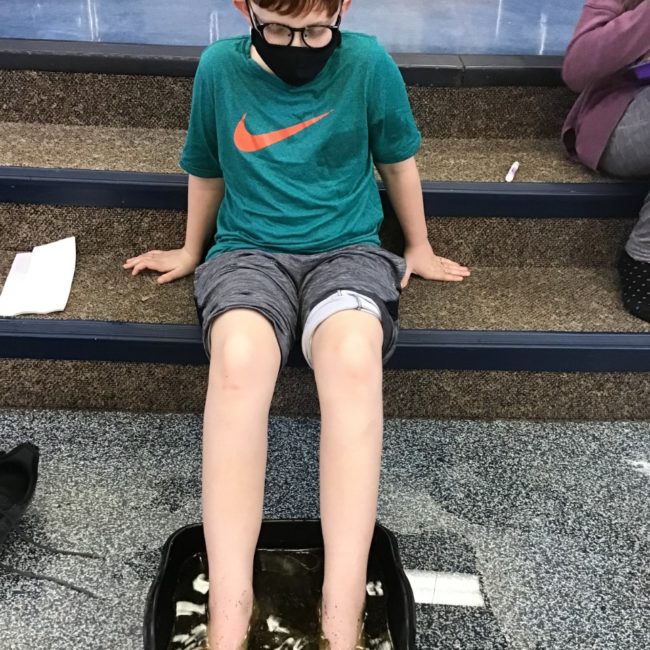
(477,241)
(552,518)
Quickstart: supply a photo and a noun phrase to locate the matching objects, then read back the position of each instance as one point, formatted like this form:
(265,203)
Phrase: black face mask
(295,65)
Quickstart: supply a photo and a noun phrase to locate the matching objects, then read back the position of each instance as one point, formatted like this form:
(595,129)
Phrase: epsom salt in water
(287,588)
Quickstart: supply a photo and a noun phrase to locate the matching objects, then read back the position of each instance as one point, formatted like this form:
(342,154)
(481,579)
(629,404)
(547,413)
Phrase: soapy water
(287,586)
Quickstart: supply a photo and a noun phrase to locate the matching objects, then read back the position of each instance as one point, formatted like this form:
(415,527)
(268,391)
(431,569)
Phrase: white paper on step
(39,282)
(439,588)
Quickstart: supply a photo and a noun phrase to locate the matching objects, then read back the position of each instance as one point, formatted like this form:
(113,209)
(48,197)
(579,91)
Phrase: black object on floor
(635,286)
(18,475)
(289,560)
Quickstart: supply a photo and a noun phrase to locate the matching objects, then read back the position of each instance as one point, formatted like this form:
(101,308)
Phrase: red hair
(299,7)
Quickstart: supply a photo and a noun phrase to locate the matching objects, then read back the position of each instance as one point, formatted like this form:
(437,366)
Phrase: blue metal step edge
(416,350)
(113,189)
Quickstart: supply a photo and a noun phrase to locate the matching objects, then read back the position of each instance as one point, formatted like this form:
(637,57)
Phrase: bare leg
(244,365)
(346,352)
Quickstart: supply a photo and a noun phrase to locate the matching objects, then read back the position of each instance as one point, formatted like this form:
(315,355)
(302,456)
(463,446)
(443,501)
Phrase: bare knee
(349,356)
(244,351)
(233,361)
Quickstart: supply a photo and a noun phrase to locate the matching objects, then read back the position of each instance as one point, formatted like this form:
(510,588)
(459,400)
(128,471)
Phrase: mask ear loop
(251,15)
(337,24)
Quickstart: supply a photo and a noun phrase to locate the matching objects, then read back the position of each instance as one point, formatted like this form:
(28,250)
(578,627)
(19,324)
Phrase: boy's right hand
(172,264)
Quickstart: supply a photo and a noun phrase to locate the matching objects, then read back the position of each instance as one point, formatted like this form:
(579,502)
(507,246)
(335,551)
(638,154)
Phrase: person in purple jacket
(608,128)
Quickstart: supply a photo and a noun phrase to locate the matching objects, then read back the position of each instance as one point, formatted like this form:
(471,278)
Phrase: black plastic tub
(18,477)
(288,535)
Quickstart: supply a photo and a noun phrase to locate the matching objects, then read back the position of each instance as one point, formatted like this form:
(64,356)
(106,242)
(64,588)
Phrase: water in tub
(287,588)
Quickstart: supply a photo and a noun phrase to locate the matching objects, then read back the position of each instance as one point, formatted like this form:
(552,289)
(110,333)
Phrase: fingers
(148,254)
(454,268)
(152,260)
(142,265)
(168,277)
(441,269)
(457,273)
(452,271)
(132,261)
(151,264)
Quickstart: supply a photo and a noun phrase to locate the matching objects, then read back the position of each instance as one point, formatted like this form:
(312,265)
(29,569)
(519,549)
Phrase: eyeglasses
(312,35)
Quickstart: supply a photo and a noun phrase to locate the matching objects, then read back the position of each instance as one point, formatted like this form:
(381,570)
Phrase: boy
(284,128)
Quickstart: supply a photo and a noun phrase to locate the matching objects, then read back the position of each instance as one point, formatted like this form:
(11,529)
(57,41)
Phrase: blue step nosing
(138,190)
(416,350)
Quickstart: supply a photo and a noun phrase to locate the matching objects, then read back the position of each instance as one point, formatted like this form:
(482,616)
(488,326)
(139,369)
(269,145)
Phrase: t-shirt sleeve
(200,155)
(394,135)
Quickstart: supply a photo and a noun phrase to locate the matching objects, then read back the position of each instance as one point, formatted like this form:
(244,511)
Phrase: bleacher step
(486,395)
(553,299)
(479,159)
(160,101)
(537,332)
(477,241)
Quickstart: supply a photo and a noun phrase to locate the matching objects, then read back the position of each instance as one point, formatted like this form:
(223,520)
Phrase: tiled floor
(456,26)
(547,524)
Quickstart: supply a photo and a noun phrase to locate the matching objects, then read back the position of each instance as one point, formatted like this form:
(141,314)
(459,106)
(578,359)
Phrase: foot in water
(341,628)
(230,621)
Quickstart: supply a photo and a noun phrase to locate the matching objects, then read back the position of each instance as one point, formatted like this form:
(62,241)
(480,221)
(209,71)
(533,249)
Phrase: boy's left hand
(422,261)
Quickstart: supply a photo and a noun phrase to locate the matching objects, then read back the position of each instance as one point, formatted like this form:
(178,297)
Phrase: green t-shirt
(297,162)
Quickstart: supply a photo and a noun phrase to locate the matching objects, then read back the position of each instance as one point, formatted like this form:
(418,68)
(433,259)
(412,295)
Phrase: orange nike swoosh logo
(248,143)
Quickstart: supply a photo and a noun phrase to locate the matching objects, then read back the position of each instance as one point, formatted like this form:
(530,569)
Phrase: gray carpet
(553,518)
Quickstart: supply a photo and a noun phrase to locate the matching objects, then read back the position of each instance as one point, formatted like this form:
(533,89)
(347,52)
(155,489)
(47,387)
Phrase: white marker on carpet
(510,176)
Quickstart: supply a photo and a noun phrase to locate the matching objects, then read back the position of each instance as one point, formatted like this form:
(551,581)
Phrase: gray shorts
(285,287)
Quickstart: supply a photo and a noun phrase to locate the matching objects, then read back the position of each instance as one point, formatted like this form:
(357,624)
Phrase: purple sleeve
(606,41)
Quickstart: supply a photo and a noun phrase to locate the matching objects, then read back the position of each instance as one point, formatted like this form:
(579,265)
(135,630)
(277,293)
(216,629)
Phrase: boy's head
(295,13)
(294,38)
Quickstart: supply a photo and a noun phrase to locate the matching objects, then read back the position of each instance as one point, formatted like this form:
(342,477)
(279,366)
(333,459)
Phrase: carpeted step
(476,241)
(564,299)
(158,102)
(157,151)
(23,144)
(528,274)
(156,387)
(137,123)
